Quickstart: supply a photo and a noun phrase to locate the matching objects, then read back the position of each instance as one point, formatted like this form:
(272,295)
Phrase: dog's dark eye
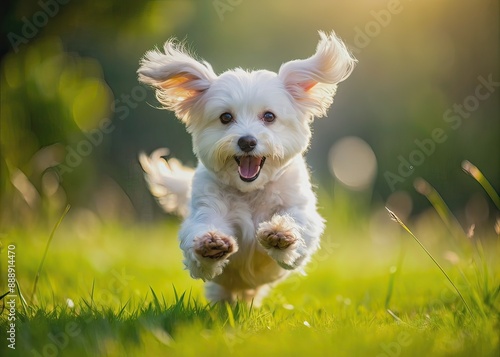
(268,117)
(226,118)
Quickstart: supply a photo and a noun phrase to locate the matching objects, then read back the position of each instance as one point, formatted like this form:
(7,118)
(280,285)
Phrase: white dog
(250,211)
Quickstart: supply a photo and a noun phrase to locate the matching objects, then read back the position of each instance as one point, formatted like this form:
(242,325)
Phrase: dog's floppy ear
(179,79)
(312,82)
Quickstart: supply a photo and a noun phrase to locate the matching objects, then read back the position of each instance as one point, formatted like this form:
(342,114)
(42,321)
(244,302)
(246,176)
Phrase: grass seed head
(393,216)
(471,231)
(422,186)
(471,169)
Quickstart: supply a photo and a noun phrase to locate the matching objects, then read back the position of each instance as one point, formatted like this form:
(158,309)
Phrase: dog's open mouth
(249,166)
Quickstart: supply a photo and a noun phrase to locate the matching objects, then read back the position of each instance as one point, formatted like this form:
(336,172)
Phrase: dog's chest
(260,205)
(251,266)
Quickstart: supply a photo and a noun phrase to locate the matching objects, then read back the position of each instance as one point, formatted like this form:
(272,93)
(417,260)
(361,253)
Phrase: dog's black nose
(247,143)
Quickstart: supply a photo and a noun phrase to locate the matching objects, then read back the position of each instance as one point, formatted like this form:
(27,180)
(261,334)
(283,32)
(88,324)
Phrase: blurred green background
(74,117)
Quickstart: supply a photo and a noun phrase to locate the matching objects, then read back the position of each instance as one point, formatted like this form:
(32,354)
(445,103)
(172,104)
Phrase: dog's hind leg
(216,292)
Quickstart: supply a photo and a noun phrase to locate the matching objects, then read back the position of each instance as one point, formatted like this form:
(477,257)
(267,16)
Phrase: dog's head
(247,126)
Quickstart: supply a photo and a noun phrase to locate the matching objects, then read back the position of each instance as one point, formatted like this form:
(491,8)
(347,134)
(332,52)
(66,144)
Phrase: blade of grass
(23,300)
(473,171)
(118,316)
(390,287)
(396,219)
(442,209)
(66,210)
(394,270)
(92,294)
(483,274)
(396,317)
(175,294)
(155,299)
(230,315)
(4,295)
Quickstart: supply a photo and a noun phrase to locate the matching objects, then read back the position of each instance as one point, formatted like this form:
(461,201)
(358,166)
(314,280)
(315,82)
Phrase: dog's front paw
(209,253)
(269,238)
(280,237)
(214,245)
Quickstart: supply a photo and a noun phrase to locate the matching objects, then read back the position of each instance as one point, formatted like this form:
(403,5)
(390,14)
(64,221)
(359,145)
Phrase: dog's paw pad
(214,245)
(277,240)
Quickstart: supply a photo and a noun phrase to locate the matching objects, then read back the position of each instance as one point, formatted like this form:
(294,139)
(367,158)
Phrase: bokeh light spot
(12,72)
(89,106)
(353,162)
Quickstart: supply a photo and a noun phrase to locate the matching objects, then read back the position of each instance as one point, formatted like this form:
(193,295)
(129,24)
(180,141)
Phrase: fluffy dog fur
(249,208)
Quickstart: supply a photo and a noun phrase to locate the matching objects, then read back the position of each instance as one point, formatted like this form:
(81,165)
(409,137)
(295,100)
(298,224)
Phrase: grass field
(120,290)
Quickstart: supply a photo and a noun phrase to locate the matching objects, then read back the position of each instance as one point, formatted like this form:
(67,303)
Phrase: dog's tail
(168,180)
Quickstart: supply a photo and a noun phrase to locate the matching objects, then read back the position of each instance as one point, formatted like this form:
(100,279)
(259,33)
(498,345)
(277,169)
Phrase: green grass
(370,291)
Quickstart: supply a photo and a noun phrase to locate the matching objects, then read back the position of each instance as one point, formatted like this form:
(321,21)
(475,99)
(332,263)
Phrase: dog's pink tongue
(249,166)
